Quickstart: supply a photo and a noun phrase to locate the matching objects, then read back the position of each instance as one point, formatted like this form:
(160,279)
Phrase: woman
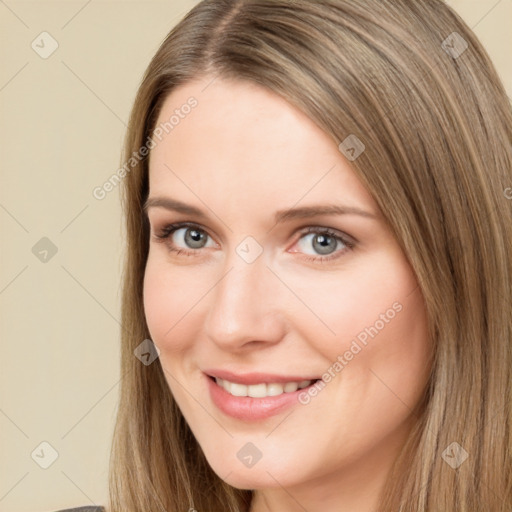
(354,357)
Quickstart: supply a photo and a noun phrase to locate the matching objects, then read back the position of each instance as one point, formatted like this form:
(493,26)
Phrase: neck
(327,496)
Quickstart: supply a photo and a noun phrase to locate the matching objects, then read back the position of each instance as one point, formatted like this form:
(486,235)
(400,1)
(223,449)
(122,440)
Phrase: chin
(264,474)
(251,479)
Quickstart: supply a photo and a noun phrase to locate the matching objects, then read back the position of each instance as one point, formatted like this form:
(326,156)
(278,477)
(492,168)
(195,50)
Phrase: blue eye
(327,243)
(192,236)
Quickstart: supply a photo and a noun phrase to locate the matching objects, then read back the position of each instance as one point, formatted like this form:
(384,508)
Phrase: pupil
(193,236)
(325,243)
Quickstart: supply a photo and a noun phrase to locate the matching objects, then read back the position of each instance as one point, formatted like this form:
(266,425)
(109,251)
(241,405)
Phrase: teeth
(237,389)
(257,390)
(274,389)
(289,387)
(261,390)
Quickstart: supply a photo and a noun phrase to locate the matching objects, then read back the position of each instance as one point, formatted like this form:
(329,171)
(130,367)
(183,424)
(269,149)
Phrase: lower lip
(248,408)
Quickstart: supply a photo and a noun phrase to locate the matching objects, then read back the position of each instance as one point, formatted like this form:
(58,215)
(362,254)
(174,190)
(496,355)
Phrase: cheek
(386,350)
(378,316)
(369,299)
(402,352)
(168,299)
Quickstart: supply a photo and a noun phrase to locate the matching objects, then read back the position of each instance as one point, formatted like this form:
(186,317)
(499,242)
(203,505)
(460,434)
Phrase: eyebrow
(280,216)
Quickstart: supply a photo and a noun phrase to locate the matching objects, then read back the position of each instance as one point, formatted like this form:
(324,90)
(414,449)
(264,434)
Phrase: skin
(242,154)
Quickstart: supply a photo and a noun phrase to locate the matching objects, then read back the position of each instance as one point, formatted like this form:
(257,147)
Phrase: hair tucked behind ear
(437,127)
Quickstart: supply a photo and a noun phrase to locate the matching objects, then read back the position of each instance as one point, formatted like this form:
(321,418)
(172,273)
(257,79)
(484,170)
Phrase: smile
(261,390)
(256,400)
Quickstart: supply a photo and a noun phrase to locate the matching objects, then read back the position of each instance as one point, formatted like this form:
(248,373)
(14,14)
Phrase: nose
(246,306)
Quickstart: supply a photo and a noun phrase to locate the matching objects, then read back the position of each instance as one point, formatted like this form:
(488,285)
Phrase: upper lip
(256,377)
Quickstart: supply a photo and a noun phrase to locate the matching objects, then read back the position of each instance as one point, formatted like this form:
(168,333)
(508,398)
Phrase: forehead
(244,141)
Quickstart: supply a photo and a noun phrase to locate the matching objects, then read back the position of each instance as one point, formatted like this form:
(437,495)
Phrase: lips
(257,377)
(267,402)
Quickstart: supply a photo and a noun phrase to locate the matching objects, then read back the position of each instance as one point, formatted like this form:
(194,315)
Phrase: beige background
(61,127)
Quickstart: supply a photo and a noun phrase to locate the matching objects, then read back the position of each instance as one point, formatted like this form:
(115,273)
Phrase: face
(270,266)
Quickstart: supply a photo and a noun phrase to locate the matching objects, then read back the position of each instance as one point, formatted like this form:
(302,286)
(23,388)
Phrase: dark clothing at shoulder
(83,509)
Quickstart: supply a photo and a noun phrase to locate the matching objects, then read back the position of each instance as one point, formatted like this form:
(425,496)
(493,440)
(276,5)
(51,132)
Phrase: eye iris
(325,243)
(193,236)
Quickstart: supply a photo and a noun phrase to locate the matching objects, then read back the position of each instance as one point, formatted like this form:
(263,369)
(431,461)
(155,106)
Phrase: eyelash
(168,230)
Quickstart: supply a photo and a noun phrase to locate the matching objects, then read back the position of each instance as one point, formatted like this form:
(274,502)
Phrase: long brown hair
(413,83)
